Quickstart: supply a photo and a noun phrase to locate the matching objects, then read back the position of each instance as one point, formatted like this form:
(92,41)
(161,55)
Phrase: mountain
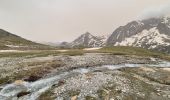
(55,44)
(11,41)
(65,45)
(153,33)
(88,40)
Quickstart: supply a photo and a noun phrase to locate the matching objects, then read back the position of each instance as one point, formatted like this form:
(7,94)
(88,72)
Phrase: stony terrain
(92,76)
(20,65)
(115,85)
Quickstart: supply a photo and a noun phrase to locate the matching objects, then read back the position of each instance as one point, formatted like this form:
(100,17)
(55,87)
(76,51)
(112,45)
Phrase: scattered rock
(169,96)
(119,82)
(74,97)
(98,71)
(61,82)
(22,94)
(88,76)
(19,82)
(87,66)
(90,98)
(166,69)
(147,69)
(32,78)
(1,88)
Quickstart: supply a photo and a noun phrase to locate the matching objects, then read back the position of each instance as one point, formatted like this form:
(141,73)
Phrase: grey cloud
(64,20)
(155,11)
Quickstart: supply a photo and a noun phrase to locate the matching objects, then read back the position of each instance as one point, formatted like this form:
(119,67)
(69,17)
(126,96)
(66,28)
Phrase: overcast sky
(64,20)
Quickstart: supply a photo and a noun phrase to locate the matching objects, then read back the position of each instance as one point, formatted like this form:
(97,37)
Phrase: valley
(132,63)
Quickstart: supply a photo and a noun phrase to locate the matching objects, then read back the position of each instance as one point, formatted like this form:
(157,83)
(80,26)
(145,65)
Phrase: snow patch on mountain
(89,40)
(151,37)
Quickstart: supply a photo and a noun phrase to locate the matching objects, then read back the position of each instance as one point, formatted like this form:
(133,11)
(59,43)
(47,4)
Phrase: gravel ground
(96,59)
(11,66)
(112,84)
(102,84)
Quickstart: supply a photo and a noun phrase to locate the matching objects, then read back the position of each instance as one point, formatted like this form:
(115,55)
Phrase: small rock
(22,94)
(158,94)
(98,71)
(74,98)
(61,82)
(89,76)
(164,95)
(32,78)
(168,96)
(19,82)
(1,88)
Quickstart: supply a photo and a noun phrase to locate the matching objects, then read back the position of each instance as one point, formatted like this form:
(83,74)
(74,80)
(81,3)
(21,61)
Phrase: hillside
(11,41)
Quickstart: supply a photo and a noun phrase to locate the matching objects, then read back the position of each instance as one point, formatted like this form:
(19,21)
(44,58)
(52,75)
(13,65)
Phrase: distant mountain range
(89,40)
(153,33)
(11,41)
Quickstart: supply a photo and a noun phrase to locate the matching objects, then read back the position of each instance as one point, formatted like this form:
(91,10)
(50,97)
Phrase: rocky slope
(153,33)
(88,40)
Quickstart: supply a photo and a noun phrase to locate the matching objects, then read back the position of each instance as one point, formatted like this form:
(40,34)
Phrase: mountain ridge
(150,33)
(12,41)
(88,40)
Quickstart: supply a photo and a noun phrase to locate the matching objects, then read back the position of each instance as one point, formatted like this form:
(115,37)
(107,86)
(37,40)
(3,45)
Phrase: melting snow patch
(88,49)
(151,36)
(11,51)
(62,50)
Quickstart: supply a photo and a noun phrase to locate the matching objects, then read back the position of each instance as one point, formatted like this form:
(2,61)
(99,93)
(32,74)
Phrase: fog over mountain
(155,11)
(63,20)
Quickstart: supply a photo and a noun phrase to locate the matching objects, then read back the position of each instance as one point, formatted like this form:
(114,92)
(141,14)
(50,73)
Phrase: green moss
(124,50)
(73,93)
(41,53)
(47,96)
(73,52)
(90,98)
(5,80)
(102,93)
(159,76)
(39,69)
(133,83)
(3,46)
(33,53)
(129,51)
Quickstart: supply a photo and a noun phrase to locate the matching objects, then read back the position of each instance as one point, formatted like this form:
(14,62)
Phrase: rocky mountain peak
(152,33)
(88,40)
(87,33)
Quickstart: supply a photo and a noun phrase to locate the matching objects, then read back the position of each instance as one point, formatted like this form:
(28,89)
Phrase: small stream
(10,91)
